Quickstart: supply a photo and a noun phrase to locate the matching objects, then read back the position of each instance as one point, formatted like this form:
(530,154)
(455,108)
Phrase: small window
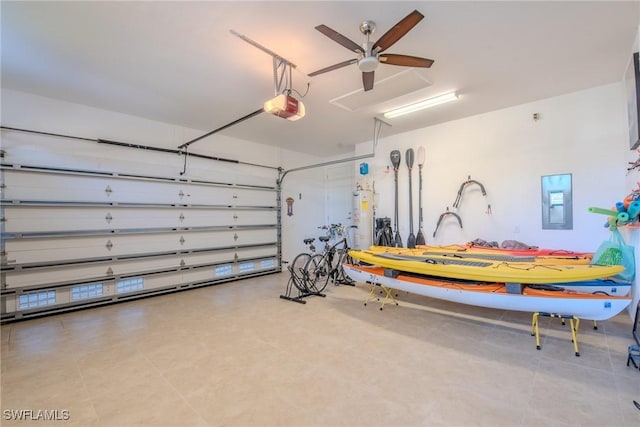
(38,299)
(246,267)
(88,291)
(268,263)
(130,285)
(223,270)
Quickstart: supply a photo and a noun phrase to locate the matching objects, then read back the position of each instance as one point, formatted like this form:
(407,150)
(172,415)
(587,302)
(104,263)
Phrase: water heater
(363,218)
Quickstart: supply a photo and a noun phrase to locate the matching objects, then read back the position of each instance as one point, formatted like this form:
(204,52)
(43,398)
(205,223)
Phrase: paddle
(395,161)
(411,241)
(420,240)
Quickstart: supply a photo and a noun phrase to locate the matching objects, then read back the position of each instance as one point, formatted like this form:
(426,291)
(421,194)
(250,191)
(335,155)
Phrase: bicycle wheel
(339,275)
(336,256)
(317,273)
(297,271)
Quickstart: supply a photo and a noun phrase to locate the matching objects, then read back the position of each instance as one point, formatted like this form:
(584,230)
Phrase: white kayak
(516,297)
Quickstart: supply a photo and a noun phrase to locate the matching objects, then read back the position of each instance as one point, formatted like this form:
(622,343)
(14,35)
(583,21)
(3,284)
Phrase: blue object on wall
(364,168)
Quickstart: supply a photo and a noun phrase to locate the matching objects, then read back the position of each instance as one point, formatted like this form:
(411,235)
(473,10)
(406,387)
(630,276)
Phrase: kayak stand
(574,328)
(387,291)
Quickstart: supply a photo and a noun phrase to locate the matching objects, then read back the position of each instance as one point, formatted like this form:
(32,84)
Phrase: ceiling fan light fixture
(368,64)
(421,105)
(285,106)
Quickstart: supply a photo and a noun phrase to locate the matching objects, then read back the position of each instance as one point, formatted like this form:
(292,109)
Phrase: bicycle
(299,277)
(328,265)
(310,271)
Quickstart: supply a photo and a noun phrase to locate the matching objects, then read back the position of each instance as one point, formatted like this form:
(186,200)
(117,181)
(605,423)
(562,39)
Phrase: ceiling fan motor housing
(368,63)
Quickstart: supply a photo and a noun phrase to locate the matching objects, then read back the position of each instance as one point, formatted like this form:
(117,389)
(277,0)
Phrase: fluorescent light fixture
(430,102)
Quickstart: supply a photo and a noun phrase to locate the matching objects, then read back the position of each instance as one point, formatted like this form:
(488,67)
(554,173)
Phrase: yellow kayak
(485,270)
(495,254)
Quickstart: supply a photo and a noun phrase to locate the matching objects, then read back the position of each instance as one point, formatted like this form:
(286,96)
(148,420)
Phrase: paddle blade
(395,158)
(422,155)
(411,241)
(410,157)
(420,240)
(397,241)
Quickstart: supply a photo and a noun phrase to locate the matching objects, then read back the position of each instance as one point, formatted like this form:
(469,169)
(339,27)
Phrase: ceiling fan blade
(367,80)
(333,67)
(399,30)
(405,60)
(340,39)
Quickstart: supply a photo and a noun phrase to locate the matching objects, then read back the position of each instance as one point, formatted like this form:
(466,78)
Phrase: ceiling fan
(369,55)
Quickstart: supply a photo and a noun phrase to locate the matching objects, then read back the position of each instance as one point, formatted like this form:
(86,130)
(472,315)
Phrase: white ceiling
(178,63)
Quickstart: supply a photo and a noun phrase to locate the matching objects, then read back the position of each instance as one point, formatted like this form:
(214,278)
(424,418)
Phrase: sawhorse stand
(387,291)
(574,323)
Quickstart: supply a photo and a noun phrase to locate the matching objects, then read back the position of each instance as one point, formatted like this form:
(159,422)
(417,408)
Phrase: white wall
(306,188)
(583,133)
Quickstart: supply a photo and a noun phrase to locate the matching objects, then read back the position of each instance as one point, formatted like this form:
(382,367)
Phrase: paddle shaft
(410,205)
(395,161)
(420,197)
(395,219)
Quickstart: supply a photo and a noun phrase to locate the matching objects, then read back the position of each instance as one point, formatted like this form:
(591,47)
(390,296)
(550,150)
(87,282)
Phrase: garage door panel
(220,217)
(30,185)
(227,270)
(228,196)
(41,186)
(236,237)
(42,219)
(90,271)
(53,250)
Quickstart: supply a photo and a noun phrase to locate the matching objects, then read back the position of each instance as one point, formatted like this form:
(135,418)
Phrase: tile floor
(237,355)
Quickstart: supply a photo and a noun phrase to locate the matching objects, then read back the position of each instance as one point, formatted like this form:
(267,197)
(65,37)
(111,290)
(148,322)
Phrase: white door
(339,195)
